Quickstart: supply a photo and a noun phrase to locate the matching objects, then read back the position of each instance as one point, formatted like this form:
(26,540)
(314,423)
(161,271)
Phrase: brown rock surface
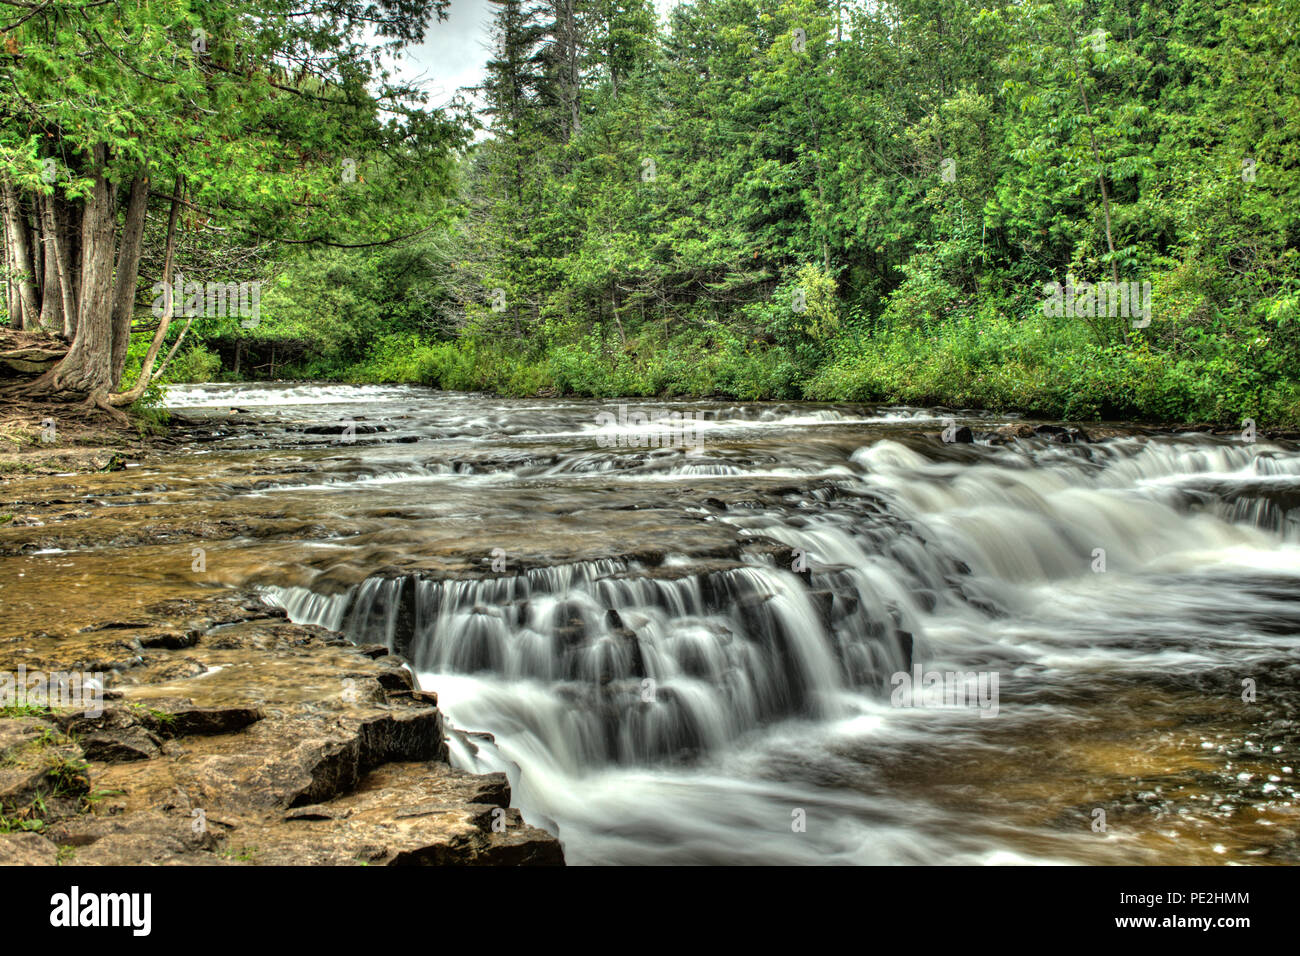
(274,744)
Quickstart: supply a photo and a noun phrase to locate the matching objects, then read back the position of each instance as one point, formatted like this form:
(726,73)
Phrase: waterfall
(680,708)
(647,667)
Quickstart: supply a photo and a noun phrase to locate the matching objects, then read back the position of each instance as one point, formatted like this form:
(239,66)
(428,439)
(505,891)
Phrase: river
(684,640)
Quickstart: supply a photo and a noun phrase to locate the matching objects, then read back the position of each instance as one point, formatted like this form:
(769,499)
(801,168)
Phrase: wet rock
(205,721)
(823,601)
(1008,433)
(1055,433)
(425,697)
(393,677)
(172,670)
(431,815)
(116,746)
(113,626)
(339,429)
(20,786)
(363,690)
(16,735)
(168,640)
(153,837)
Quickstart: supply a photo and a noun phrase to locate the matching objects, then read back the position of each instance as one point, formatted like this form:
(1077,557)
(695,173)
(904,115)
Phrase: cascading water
(650,668)
(688,651)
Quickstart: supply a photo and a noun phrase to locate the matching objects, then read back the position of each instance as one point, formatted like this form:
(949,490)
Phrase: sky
(455,51)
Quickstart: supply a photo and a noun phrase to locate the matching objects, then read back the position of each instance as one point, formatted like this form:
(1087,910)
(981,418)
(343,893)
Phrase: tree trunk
(21,252)
(176,347)
(54,228)
(1101,181)
(128,271)
(13,306)
(68,218)
(52,280)
(87,368)
(567,27)
(160,334)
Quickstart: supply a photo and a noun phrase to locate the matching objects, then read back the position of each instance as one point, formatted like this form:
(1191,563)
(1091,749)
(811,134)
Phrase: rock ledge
(232,736)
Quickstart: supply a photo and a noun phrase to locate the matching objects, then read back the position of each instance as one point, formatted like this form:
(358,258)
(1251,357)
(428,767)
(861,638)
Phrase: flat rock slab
(252,740)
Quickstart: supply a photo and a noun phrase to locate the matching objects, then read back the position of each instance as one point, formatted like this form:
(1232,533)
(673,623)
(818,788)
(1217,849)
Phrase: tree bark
(23,264)
(171,353)
(70,218)
(147,375)
(128,272)
(1101,181)
(13,305)
(54,228)
(52,279)
(86,370)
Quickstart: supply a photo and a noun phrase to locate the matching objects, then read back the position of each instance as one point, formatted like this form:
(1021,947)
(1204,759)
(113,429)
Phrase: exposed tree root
(99,399)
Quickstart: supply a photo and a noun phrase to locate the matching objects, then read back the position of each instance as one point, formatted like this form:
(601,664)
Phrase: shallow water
(684,641)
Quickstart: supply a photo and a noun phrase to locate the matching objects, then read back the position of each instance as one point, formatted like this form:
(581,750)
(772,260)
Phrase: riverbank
(1052,370)
(51,438)
(41,437)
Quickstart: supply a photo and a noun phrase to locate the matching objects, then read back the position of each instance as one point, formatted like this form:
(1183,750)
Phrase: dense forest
(751,198)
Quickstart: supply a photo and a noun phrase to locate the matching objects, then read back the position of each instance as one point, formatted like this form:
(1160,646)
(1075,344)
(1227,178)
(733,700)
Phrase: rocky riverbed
(659,651)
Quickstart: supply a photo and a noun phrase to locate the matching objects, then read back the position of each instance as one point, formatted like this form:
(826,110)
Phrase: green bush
(194,364)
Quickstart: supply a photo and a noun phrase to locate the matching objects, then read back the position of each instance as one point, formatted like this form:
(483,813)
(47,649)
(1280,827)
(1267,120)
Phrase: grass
(158,716)
(1045,368)
(1057,371)
(699,365)
(28,819)
(18,711)
(21,824)
(69,776)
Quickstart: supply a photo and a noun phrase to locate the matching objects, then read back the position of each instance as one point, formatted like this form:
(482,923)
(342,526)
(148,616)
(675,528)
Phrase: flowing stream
(684,645)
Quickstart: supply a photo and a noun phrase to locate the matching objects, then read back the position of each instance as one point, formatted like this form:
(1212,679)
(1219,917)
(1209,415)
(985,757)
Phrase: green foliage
(194,364)
(1054,369)
(13,711)
(652,206)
